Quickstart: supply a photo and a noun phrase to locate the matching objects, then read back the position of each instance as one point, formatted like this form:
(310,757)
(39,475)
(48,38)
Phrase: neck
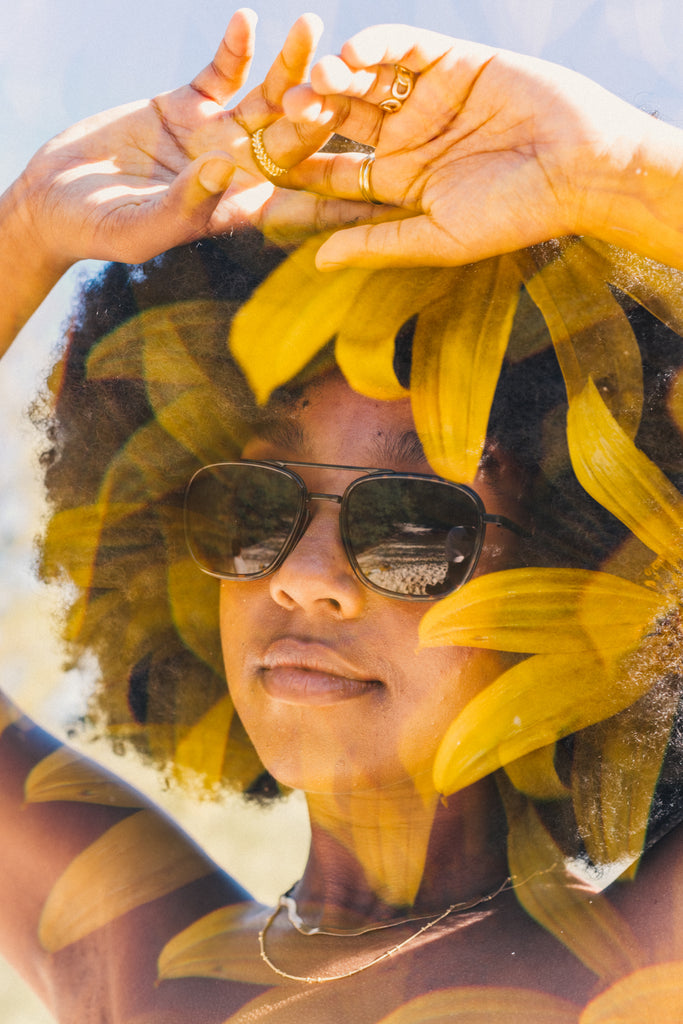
(376,855)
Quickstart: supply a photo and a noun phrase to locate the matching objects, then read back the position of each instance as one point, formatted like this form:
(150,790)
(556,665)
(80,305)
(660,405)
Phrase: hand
(129,183)
(490,153)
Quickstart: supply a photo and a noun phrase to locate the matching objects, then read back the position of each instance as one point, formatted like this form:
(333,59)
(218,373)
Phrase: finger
(291,139)
(177,215)
(290,216)
(334,175)
(416,49)
(410,242)
(288,144)
(228,70)
(292,64)
(332,75)
(213,175)
(353,118)
(374,85)
(263,105)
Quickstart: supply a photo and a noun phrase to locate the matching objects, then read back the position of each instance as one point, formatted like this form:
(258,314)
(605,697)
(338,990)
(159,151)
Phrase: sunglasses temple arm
(507,524)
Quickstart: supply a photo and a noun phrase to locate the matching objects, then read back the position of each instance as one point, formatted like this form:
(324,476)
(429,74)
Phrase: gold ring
(401,88)
(364,181)
(267,165)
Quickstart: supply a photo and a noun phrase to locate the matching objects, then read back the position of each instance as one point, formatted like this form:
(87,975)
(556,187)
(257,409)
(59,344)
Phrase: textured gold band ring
(401,88)
(364,183)
(267,165)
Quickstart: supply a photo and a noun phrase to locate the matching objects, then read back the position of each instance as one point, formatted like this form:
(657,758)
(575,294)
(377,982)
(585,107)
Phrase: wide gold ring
(268,166)
(364,183)
(401,88)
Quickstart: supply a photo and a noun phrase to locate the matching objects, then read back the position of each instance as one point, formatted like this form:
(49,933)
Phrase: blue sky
(63,59)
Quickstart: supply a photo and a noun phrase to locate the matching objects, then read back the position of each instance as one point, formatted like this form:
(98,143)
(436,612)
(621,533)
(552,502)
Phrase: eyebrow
(386,448)
(399,447)
(283,432)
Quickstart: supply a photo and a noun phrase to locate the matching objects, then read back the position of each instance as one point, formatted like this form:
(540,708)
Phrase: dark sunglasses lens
(238,518)
(414,538)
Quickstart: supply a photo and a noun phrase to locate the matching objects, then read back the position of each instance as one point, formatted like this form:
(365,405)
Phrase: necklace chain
(288,902)
(282,902)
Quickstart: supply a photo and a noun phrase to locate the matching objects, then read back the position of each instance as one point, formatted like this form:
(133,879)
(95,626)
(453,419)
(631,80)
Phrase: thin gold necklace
(288,902)
(466,905)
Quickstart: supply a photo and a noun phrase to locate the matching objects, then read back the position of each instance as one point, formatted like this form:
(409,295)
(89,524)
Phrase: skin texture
(490,153)
(329,681)
(388,733)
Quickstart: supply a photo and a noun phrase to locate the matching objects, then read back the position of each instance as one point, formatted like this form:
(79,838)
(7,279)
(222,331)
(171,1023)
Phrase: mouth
(306,672)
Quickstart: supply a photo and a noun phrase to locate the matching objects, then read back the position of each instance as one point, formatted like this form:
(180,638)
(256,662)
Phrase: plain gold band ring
(401,88)
(364,184)
(267,165)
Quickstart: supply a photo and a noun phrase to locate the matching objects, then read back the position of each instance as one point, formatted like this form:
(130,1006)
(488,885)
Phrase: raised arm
(132,182)
(490,152)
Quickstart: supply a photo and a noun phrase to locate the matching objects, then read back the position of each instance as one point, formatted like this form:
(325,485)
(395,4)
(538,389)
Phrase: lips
(307,672)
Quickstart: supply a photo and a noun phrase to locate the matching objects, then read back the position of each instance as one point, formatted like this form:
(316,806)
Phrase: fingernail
(216,175)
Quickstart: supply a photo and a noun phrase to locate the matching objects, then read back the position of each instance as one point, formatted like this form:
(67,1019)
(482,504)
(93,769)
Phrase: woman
(320,645)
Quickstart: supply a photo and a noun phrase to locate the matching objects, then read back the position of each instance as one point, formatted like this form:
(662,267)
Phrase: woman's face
(326,675)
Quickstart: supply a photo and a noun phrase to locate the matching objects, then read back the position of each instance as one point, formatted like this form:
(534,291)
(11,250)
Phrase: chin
(326,773)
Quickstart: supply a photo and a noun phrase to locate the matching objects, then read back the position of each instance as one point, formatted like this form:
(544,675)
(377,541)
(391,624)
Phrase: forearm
(640,206)
(28,272)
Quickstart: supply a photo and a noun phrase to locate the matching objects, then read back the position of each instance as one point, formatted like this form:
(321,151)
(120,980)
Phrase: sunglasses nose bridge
(306,514)
(312,496)
(322,496)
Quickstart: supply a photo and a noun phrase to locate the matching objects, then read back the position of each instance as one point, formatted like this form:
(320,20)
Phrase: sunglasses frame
(302,518)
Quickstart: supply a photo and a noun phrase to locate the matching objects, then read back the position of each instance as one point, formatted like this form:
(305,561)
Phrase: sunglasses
(406,535)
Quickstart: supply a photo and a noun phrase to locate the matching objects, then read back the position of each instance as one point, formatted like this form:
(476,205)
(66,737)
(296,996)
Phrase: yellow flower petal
(571,910)
(654,286)
(203,423)
(620,477)
(544,611)
(155,345)
(73,537)
(535,775)
(531,705)
(651,994)
(590,331)
(369,367)
(290,317)
(138,860)
(137,473)
(458,351)
(483,1004)
(202,749)
(615,768)
(365,344)
(193,598)
(66,775)
(215,947)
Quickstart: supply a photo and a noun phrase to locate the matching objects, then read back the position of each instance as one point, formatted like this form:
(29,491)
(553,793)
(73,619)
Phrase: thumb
(406,242)
(215,173)
(196,192)
(179,215)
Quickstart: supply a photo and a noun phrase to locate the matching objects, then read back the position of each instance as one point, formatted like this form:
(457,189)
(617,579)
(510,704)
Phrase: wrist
(635,198)
(28,268)
(24,241)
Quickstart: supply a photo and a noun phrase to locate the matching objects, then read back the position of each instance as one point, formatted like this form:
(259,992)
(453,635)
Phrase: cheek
(237,609)
(444,680)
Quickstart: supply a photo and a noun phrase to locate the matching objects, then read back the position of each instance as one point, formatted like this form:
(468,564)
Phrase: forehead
(329,422)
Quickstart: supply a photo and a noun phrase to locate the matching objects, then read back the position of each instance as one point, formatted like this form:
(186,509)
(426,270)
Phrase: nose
(316,576)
